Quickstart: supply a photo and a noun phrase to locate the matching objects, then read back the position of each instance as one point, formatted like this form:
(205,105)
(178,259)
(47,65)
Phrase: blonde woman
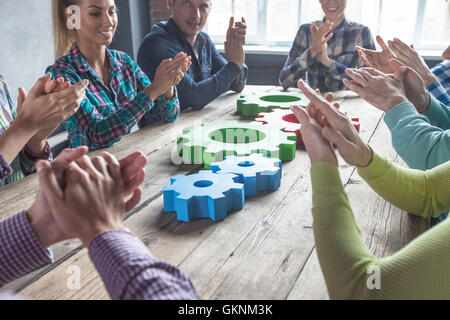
(119,93)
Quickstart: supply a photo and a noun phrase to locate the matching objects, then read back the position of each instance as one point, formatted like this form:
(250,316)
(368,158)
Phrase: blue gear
(256,172)
(203,195)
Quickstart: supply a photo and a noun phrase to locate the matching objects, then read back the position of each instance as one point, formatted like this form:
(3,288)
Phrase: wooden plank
(201,248)
(21,195)
(385,229)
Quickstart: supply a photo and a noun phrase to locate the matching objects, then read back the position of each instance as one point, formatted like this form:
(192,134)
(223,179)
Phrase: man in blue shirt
(210,73)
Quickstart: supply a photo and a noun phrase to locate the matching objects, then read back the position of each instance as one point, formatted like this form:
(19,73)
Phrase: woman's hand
(38,111)
(320,37)
(335,128)
(411,58)
(380,90)
(168,74)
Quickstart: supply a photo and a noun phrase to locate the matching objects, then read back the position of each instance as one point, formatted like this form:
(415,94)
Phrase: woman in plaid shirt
(322,50)
(119,93)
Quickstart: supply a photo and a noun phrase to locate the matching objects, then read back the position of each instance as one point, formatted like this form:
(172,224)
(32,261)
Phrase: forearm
(14,139)
(343,256)
(420,144)
(438,114)
(351,271)
(239,83)
(419,192)
(437,91)
(129,271)
(170,107)
(20,250)
(105,131)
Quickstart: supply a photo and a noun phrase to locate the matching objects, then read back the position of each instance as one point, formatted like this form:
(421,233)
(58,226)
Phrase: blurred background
(27,45)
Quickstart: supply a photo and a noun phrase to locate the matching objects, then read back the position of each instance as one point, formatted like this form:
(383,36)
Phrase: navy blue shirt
(210,74)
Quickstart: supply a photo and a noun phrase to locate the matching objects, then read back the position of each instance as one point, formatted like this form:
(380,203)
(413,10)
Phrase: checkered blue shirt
(126,266)
(109,112)
(341,49)
(441,88)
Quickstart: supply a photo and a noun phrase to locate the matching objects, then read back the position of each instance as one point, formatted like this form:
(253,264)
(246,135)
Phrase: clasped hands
(324,125)
(82,197)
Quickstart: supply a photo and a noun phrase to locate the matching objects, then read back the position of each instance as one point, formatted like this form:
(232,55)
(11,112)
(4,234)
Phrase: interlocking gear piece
(256,172)
(287,121)
(211,142)
(255,103)
(203,195)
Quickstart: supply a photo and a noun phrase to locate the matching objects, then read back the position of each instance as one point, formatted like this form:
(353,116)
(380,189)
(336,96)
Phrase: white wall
(26,45)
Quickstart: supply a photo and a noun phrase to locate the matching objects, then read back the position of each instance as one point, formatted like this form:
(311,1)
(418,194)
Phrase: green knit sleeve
(423,193)
(418,271)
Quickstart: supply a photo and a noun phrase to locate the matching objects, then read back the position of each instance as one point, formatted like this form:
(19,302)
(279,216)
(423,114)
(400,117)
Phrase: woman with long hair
(119,93)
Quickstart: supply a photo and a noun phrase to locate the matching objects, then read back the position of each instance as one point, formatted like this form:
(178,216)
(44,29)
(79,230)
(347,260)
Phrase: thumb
(302,115)
(335,137)
(400,73)
(21,98)
(39,85)
(395,64)
(50,187)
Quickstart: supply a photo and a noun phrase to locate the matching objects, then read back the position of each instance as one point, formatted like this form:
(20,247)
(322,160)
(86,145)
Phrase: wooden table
(265,251)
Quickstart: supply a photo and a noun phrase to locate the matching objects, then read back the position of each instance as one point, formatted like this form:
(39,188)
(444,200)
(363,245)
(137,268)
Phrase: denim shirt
(210,74)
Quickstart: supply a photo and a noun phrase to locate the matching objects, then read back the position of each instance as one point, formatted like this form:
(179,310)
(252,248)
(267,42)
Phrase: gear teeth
(256,172)
(255,103)
(287,121)
(212,142)
(204,195)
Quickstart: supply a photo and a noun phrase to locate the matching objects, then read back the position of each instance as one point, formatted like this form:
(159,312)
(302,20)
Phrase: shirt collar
(342,25)
(82,66)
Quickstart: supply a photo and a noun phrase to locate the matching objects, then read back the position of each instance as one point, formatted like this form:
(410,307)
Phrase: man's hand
(377,59)
(379,89)
(91,203)
(235,41)
(414,86)
(40,214)
(320,36)
(411,58)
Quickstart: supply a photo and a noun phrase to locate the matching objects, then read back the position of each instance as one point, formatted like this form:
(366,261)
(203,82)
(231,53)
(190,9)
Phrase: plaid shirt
(109,112)
(341,49)
(24,163)
(441,88)
(126,266)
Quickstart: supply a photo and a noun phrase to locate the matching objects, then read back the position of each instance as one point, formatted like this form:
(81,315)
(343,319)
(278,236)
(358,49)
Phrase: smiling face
(98,21)
(334,9)
(190,15)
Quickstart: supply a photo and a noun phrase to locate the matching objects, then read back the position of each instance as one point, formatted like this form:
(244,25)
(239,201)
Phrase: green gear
(212,142)
(255,103)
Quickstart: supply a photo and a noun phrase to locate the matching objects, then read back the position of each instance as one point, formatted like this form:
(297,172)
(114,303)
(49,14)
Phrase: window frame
(261,38)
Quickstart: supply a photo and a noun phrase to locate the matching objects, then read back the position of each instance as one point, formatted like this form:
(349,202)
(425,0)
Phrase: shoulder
(62,66)
(357,26)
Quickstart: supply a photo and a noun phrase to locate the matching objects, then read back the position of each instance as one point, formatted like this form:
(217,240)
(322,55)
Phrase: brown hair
(63,37)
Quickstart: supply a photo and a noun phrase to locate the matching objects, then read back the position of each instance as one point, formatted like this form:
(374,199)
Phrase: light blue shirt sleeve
(438,114)
(420,144)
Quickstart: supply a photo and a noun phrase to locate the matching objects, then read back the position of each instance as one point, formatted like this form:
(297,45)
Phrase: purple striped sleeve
(130,272)
(20,251)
